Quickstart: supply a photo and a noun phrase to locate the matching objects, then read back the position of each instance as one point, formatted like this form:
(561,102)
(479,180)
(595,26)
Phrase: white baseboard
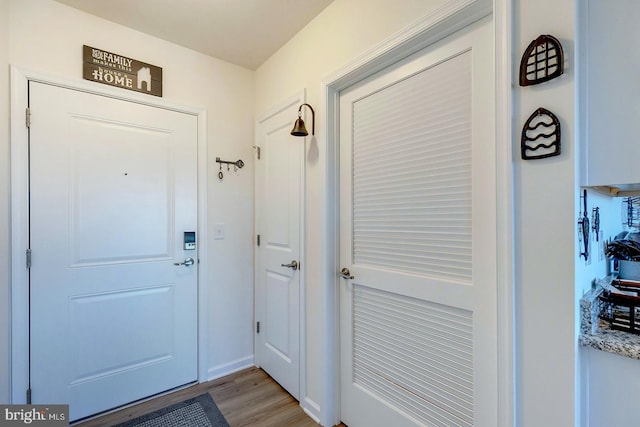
(229,368)
(311,408)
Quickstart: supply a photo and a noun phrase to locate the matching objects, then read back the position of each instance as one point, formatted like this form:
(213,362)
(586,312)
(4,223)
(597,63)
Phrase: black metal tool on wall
(595,222)
(584,228)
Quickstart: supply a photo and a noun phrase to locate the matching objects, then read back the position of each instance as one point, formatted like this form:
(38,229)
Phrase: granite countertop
(596,333)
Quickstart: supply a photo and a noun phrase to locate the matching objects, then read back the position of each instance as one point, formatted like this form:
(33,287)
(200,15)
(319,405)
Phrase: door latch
(345,273)
(187,262)
(292,265)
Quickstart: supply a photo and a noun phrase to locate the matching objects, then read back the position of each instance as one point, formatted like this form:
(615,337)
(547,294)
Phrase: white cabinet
(610,80)
(612,389)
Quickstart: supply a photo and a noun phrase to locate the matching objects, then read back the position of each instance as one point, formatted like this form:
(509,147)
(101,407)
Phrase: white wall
(329,42)
(4,201)
(47,37)
(546,207)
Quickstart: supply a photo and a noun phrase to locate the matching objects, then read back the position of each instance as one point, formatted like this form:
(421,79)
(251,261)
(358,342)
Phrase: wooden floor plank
(249,398)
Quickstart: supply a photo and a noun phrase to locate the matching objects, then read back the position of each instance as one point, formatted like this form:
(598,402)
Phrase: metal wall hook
(238,164)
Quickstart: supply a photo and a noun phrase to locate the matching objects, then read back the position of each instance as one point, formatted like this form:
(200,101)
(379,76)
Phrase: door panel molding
(19,369)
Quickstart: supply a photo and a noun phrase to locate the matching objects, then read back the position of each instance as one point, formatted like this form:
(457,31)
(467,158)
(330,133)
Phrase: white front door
(112,191)
(278,203)
(418,236)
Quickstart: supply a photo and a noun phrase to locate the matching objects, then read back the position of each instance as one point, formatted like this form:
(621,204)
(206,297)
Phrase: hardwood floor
(249,398)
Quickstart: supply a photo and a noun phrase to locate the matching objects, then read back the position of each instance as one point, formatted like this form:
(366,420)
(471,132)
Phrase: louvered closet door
(418,225)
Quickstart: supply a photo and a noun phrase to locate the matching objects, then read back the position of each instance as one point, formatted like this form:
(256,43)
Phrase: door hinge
(28,258)
(28,117)
(29,396)
(258,240)
(257,327)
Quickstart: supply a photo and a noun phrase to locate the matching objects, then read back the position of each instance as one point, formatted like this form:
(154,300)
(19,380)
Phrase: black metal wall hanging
(238,164)
(595,222)
(584,229)
(542,61)
(540,135)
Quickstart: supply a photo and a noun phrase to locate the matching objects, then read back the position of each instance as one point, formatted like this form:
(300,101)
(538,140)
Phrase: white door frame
(19,370)
(453,16)
(297,99)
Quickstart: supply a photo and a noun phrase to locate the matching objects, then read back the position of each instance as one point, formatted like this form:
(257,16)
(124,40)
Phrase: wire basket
(622,311)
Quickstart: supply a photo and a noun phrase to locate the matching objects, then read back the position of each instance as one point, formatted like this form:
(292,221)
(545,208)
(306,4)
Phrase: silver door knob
(292,265)
(345,274)
(187,262)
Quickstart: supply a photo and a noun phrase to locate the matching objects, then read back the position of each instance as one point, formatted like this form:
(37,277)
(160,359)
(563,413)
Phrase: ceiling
(243,32)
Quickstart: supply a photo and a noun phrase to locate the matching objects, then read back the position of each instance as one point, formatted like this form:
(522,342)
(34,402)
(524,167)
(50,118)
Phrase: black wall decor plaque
(116,70)
(543,60)
(540,136)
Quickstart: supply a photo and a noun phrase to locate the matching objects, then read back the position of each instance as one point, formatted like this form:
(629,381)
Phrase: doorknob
(345,274)
(187,262)
(292,265)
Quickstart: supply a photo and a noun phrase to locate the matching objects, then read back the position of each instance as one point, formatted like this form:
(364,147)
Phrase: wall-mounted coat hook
(238,164)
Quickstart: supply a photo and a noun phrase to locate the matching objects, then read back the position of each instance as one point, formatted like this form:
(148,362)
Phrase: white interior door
(112,190)
(279,175)
(418,235)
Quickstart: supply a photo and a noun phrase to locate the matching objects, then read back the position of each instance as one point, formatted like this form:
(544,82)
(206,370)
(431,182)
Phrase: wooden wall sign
(116,70)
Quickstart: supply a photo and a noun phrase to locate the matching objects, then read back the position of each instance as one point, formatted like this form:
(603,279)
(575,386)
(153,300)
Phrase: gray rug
(199,411)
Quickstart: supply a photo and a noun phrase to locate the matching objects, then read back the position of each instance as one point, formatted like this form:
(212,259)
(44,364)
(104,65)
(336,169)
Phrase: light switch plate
(218,231)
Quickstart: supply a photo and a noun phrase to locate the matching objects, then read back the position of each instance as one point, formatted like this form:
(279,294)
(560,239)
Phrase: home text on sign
(116,70)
